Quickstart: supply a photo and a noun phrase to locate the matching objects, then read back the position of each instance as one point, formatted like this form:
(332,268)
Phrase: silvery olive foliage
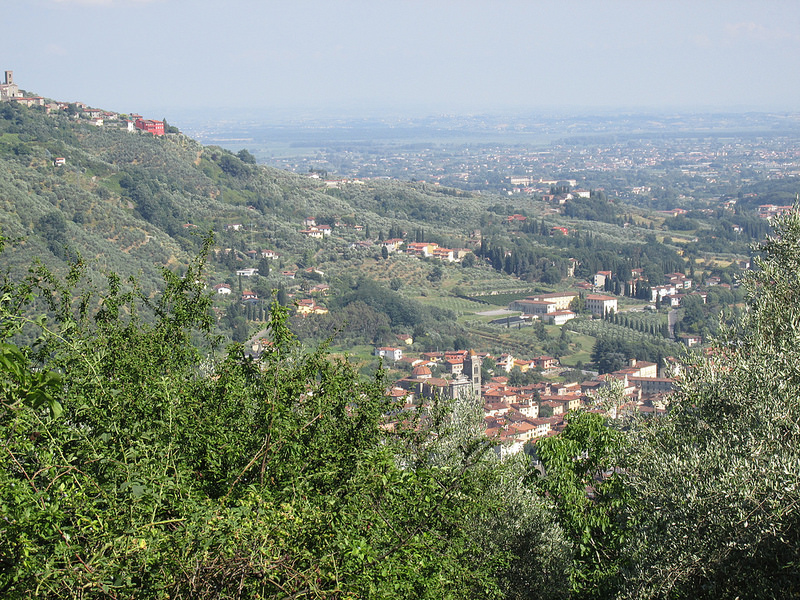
(717,482)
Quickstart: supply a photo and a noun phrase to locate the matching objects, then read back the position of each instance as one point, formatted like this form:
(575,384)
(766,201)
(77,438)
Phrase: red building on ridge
(154,127)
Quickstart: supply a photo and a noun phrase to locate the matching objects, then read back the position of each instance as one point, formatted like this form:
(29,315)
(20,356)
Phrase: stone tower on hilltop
(9,89)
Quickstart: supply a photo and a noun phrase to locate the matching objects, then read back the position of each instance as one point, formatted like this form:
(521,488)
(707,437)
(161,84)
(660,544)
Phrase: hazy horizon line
(365,112)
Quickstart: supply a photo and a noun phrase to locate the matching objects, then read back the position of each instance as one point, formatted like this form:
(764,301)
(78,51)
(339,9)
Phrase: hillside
(130,201)
(133,203)
(121,199)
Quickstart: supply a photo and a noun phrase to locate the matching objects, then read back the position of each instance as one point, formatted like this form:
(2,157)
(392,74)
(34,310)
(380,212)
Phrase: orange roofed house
(307,306)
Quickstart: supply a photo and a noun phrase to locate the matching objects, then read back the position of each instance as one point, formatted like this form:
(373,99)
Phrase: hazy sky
(162,56)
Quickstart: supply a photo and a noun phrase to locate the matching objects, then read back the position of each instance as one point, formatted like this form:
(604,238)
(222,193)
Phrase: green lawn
(585,343)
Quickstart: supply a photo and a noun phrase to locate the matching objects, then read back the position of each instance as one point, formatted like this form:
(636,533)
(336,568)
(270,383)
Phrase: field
(460,306)
(583,349)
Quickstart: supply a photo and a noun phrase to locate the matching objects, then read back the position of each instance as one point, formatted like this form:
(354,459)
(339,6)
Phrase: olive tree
(717,481)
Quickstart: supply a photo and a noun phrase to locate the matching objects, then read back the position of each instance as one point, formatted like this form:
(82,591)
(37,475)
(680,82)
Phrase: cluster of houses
(526,184)
(675,287)
(767,211)
(304,307)
(461,380)
(517,415)
(550,307)
(9,91)
(314,230)
(554,308)
(431,250)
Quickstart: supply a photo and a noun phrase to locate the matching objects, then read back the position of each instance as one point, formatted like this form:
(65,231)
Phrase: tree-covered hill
(122,199)
(132,203)
(128,201)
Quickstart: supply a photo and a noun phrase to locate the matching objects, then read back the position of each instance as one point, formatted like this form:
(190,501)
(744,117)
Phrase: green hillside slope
(130,201)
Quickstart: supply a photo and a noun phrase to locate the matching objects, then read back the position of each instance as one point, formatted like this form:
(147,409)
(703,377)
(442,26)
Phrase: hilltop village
(10,92)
